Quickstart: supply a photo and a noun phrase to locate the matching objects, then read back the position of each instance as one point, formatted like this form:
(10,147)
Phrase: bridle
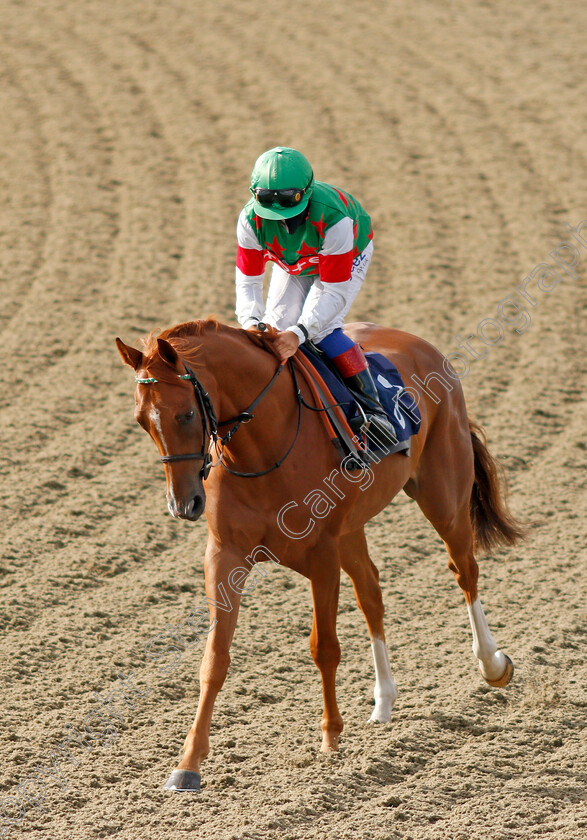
(210,424)
(207,415)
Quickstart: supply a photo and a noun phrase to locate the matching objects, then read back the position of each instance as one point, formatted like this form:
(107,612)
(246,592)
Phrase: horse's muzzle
(191,509)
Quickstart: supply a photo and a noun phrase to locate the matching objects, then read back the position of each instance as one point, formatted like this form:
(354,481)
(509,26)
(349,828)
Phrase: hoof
(379,718)
(183,780)
(329,743)
(505,677)
(383,709)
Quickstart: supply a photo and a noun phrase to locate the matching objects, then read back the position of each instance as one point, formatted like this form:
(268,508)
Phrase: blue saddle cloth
(399,406)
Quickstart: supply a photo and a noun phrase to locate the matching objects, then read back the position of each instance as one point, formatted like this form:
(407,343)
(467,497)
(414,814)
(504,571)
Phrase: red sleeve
(335,268)
(250,261)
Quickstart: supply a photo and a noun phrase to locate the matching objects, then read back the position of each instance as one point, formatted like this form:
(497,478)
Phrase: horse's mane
(180,334)
(177,334)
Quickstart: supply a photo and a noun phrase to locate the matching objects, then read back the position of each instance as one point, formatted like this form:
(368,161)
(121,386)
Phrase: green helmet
(285,171)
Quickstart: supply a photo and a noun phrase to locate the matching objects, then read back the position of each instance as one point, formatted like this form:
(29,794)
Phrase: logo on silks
(297,268)
(399,390)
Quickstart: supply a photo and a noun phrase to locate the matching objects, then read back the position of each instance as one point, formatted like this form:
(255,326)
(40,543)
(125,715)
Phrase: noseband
(210,423)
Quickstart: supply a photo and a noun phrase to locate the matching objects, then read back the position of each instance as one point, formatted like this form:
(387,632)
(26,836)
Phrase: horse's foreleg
(357,564)
(325,647)
(213,670)
(223,605)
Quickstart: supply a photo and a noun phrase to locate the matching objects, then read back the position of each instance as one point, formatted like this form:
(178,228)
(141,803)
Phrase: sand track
(127,133)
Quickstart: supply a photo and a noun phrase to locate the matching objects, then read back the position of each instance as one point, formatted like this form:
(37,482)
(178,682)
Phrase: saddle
(342,414)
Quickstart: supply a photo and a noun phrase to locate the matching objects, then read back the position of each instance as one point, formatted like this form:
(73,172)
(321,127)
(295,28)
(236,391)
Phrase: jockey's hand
(286,343)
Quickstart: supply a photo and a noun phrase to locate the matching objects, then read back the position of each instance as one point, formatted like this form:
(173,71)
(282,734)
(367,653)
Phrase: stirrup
(378,424)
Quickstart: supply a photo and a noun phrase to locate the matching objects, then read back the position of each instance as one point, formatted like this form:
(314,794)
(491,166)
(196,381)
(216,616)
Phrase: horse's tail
(492,522)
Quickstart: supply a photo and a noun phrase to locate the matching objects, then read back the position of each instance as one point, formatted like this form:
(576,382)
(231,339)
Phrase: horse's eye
(186,418)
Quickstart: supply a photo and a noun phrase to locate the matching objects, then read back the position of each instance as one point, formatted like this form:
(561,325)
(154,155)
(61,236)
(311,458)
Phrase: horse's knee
(214,668)
(325,653)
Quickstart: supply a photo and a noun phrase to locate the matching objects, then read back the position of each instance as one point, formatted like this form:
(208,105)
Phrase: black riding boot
(378,424)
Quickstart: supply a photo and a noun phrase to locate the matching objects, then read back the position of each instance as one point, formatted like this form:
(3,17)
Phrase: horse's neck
(234,368)
(239,370)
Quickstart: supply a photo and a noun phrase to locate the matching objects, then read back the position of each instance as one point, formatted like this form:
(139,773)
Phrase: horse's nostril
(198,504)
(191,509)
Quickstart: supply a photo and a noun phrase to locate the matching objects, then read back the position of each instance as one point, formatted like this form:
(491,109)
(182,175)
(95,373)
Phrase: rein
(249,416)
(210,424)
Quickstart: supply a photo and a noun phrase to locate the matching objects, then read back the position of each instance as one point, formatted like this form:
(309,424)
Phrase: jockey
(319,240)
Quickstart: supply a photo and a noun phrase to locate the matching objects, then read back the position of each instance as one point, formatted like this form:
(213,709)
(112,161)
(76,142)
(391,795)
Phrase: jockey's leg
(285,298)
(352,365)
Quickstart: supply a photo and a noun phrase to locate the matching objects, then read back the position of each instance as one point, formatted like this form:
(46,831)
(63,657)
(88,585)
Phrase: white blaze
(155,418)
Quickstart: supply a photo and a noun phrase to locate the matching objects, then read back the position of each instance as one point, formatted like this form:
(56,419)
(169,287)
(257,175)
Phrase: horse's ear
(130,356)
(168,353)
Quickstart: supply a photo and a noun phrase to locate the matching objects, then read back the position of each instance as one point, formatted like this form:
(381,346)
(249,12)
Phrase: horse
(259,496)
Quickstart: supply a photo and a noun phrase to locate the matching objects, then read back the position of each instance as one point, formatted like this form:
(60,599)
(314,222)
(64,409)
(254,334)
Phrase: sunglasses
(285,198)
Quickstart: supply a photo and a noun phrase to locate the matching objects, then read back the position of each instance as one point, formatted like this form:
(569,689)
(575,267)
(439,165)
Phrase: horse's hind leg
(443,491)
(496,668)
(357,564)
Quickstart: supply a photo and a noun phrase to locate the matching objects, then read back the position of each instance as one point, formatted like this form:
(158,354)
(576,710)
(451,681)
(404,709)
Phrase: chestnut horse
(449,472)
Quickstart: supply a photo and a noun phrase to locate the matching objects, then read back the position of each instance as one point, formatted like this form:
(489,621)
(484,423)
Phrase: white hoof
(500,672)
(493,667)
(382,710)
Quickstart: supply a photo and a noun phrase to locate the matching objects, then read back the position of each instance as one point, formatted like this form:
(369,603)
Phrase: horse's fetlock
(332,726)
